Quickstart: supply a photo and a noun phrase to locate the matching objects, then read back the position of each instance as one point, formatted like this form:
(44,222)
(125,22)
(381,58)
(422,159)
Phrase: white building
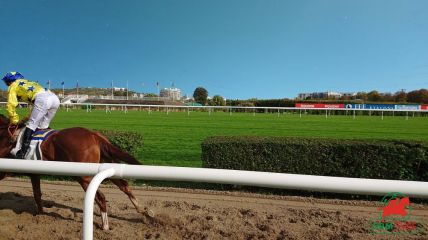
(172,93)
(117,89)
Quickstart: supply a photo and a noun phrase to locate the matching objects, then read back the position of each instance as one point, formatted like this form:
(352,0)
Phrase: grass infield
(174,139)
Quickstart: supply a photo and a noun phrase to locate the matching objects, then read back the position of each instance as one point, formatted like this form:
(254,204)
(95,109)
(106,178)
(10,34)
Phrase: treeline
(416,96)
(3,95)
(402,97)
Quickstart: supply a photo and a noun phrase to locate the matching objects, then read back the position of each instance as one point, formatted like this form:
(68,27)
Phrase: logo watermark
(395,216)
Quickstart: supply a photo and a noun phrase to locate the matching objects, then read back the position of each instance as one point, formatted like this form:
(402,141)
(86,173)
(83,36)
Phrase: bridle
(11,130)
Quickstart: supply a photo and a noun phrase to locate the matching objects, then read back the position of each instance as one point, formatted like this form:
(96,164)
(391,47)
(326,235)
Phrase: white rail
(88,207)
(250,178)
(240,107)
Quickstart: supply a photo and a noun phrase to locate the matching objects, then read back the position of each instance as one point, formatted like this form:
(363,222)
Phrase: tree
(361,96)
(151,95)
(218,100)
(424,95)
(418,96)
(414,97)
(3,96)
(246,104)
(200,95)
(400,96)
(374,96)
(388,97)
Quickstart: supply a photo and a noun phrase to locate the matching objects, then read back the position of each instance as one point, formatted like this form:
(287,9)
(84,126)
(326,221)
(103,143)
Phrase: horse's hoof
(149,213)
(104,218)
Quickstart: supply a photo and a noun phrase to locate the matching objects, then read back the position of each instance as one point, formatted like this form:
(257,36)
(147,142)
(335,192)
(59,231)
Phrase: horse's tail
(114,154)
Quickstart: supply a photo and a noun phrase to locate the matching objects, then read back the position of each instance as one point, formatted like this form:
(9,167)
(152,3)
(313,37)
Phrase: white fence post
(88,208)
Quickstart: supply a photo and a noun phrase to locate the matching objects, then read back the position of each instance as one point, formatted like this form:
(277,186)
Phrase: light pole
(112,95)
(126,90)
(62,83)
(158,91)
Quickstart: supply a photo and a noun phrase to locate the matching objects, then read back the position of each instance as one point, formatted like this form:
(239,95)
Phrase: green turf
(175,139)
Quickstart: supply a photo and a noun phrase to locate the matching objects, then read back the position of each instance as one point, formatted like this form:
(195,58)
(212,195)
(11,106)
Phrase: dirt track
(188,214)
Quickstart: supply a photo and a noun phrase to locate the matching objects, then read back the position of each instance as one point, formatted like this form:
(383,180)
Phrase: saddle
(34,152)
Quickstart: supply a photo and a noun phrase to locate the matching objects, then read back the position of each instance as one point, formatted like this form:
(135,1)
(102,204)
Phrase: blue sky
(235,48)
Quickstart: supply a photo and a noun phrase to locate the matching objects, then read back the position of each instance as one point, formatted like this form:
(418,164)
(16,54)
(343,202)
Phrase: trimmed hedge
(380,159)
(130,142)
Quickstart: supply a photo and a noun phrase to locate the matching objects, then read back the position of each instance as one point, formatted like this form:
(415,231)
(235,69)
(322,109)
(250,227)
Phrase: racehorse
(74,145)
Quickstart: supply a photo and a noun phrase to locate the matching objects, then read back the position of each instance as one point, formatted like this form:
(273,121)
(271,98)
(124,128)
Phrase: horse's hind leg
(124,187)
(35,182)
(99,199)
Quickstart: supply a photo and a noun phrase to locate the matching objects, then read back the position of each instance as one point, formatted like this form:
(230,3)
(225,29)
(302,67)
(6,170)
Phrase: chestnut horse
(75,145)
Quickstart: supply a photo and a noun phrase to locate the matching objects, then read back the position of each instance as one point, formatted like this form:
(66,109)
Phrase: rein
(11,130)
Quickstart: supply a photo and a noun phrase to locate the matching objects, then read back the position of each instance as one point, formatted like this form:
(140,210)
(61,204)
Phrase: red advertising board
(424,107)
(320,105)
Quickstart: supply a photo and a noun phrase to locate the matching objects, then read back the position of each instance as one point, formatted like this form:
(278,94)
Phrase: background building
(172,93)
(323,95)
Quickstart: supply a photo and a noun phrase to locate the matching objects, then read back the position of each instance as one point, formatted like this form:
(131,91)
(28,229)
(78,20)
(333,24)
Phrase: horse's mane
(4,121)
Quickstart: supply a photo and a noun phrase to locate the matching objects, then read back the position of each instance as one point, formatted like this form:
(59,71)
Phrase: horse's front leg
(35,181)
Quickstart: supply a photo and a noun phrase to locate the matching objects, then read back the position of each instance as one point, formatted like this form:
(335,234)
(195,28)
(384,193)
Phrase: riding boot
(26,139)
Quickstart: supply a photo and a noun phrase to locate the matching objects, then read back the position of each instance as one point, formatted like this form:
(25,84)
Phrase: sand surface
(189,214)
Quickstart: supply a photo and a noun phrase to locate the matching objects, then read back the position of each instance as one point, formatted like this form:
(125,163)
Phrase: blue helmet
(12,76)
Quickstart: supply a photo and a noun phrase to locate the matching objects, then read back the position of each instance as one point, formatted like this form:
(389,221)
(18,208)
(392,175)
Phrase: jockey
(45,106)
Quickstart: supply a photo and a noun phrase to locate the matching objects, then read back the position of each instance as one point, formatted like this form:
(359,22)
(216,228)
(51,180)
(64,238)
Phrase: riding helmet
(12,76)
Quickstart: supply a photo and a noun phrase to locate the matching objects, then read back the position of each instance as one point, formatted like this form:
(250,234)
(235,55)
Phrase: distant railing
(253,110)
(279,110)
(124,98)
(248,108)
